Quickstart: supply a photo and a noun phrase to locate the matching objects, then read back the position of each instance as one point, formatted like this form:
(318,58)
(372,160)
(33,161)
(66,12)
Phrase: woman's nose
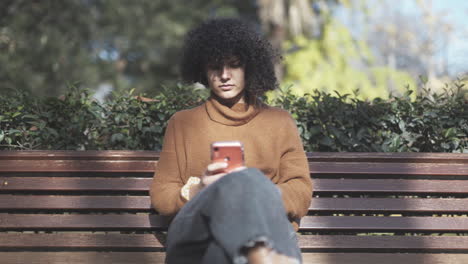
(225,73)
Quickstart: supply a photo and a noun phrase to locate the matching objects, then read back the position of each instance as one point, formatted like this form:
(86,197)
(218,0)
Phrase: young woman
(250,215)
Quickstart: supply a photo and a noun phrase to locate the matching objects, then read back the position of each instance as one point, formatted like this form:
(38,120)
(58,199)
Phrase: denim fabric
(239,208)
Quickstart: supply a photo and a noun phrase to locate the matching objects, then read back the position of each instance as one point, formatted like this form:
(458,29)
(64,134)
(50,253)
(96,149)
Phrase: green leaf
(451,132)
(326,141)
(396,142)
(445,146)
(402,126)
(314,130)
(52,131)
(161,116)
(117,137)
(13,131)
(301,130)
(139,124)
(30,116)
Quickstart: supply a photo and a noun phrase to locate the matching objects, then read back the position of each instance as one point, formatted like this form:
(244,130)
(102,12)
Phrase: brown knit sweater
(271,144)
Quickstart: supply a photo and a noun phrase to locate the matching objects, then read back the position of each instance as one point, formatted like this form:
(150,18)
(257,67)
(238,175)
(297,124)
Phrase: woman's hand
(214,171)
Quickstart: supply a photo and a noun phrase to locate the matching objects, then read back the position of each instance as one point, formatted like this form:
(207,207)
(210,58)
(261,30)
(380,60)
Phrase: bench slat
(80,241)
(388,157)
(77,166)
(143,203)
(87,241)
(66,184)
(69,202)
(147,222)
(393,186)
(385,224)
(83,222)
(379,168)
(72,257)
(389,205)
(79,155)
(158,258)
(371,243)
(383,258)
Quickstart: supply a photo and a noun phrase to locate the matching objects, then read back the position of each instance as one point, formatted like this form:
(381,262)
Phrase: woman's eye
(213,68)
(236,64)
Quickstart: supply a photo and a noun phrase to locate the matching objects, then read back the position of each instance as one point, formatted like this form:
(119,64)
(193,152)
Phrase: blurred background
(376,47)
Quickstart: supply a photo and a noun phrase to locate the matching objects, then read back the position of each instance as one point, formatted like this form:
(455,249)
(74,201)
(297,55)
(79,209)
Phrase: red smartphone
(231,152)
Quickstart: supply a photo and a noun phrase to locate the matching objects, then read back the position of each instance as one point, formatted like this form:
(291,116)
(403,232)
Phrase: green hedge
(427,123)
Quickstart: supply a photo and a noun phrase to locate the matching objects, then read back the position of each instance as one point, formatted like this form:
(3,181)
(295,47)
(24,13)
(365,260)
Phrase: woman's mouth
(226,87)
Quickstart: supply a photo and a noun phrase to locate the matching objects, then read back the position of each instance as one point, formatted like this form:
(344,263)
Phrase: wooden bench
(93,207)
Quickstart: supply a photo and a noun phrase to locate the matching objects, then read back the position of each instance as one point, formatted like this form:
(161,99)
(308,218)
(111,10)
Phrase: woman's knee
(249,181)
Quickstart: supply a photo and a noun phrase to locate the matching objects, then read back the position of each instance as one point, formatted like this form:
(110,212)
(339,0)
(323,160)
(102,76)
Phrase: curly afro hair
(217,40)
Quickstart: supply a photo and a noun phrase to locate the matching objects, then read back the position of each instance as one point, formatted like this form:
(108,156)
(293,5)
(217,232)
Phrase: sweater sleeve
(167,181)
(295,182)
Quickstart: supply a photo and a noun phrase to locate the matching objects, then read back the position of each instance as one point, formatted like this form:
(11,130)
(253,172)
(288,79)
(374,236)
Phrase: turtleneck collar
(238,114)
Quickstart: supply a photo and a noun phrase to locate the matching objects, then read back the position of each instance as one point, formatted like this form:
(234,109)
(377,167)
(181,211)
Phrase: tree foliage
(46,45)
(127,44)
(336,60)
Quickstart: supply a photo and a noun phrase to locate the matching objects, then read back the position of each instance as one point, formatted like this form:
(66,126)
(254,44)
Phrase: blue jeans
(238,210)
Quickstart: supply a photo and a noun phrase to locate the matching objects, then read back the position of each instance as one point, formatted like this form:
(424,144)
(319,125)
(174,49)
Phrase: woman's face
(227,81)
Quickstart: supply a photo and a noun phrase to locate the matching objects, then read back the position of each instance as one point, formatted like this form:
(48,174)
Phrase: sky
(457,13)
(453,12)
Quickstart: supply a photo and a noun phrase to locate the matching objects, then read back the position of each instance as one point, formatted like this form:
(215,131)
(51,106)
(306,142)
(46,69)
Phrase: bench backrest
(363,202)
